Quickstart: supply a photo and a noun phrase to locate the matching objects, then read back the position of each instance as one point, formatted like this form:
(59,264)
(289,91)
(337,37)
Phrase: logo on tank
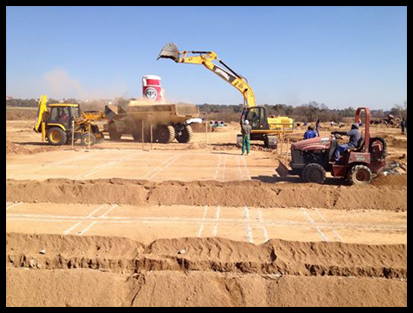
(151,93)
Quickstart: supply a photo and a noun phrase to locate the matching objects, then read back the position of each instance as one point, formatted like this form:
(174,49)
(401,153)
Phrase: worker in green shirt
(246,137)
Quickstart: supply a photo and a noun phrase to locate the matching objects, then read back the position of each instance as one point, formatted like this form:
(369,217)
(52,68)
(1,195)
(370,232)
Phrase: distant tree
(399,111)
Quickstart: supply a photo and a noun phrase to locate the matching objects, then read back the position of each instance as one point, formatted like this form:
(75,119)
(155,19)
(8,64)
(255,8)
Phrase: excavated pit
(106,271)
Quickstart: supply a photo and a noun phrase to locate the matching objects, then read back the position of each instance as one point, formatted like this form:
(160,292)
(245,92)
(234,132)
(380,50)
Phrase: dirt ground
(122,224)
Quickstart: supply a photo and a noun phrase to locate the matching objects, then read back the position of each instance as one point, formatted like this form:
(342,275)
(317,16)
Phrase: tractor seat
(360,146)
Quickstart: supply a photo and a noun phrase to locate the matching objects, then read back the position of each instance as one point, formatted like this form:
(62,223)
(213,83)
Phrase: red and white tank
(152,90)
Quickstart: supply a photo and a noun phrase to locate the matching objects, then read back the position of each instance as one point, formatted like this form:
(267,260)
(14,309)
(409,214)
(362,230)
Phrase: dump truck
(152,122)
(264,128)
(59,123)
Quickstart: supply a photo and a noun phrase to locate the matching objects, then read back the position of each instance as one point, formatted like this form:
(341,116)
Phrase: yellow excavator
(60,122)
(264,128)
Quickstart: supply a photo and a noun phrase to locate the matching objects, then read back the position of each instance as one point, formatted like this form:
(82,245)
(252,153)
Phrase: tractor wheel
(165,134)
(113,132)
(314,173)
(185,135)
(87,139)
(359,175)
(379,141)
(56,136)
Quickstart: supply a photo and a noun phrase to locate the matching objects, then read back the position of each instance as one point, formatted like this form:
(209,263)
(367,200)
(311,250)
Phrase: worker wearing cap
(355,137)
(246,137)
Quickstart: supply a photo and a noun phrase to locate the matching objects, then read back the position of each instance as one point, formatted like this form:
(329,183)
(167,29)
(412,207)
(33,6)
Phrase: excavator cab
(257,117)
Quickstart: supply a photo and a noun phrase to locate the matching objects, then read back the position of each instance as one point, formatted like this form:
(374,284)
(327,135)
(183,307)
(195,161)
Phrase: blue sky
(340,56)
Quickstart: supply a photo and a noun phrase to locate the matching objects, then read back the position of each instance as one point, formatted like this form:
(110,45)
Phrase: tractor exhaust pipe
(170,51)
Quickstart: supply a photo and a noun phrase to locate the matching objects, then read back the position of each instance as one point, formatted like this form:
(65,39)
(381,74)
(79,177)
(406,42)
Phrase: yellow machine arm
(206,58)
(42,110)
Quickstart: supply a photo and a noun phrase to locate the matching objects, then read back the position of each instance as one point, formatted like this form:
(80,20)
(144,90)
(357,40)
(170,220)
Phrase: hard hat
(247,122)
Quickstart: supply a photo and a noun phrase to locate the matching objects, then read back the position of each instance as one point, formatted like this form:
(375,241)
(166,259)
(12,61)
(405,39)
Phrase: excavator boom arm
(206,58)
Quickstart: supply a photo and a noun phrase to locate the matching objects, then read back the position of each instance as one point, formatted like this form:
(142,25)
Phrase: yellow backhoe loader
(59,123)
(264,128)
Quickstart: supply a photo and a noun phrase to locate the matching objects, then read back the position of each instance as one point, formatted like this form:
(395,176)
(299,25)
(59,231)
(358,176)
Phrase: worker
(310,133)
(246,137)
(317,127)
(403,125)
(355,137)
(63,118)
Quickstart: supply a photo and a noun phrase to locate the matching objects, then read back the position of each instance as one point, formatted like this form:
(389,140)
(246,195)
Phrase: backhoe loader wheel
(165,134)
(185,135)
(359,175)
(88,139)
(314,173)
(56,136)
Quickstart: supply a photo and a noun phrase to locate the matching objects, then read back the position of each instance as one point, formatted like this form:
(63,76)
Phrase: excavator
(59,122)
(264,128)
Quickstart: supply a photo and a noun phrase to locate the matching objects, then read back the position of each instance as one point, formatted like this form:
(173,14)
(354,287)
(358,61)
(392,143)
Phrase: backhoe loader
(60,122)
(264,128)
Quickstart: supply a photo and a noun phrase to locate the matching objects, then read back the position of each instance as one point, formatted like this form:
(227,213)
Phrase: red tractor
(311,159)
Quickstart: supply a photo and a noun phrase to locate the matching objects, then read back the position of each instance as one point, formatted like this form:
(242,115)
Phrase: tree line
(308,112)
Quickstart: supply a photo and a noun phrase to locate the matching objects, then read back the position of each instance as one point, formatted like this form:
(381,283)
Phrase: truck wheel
(87,139)
(165,134)
(360,175)
(186,135)
(314,173)
(56,136)
(137,135)
(101,138)
(113,132)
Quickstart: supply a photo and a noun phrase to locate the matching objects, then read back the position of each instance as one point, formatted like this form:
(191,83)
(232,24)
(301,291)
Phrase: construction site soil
(206,227)
(229,194)
(90,271)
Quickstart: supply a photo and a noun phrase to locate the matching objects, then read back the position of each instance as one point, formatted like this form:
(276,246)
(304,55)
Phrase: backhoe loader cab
(63,114)
(59,122)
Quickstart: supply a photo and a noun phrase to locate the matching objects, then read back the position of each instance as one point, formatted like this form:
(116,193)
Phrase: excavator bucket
(282,169)
(170,51)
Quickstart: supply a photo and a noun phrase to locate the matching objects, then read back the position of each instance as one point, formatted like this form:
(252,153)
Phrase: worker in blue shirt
(310,133)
